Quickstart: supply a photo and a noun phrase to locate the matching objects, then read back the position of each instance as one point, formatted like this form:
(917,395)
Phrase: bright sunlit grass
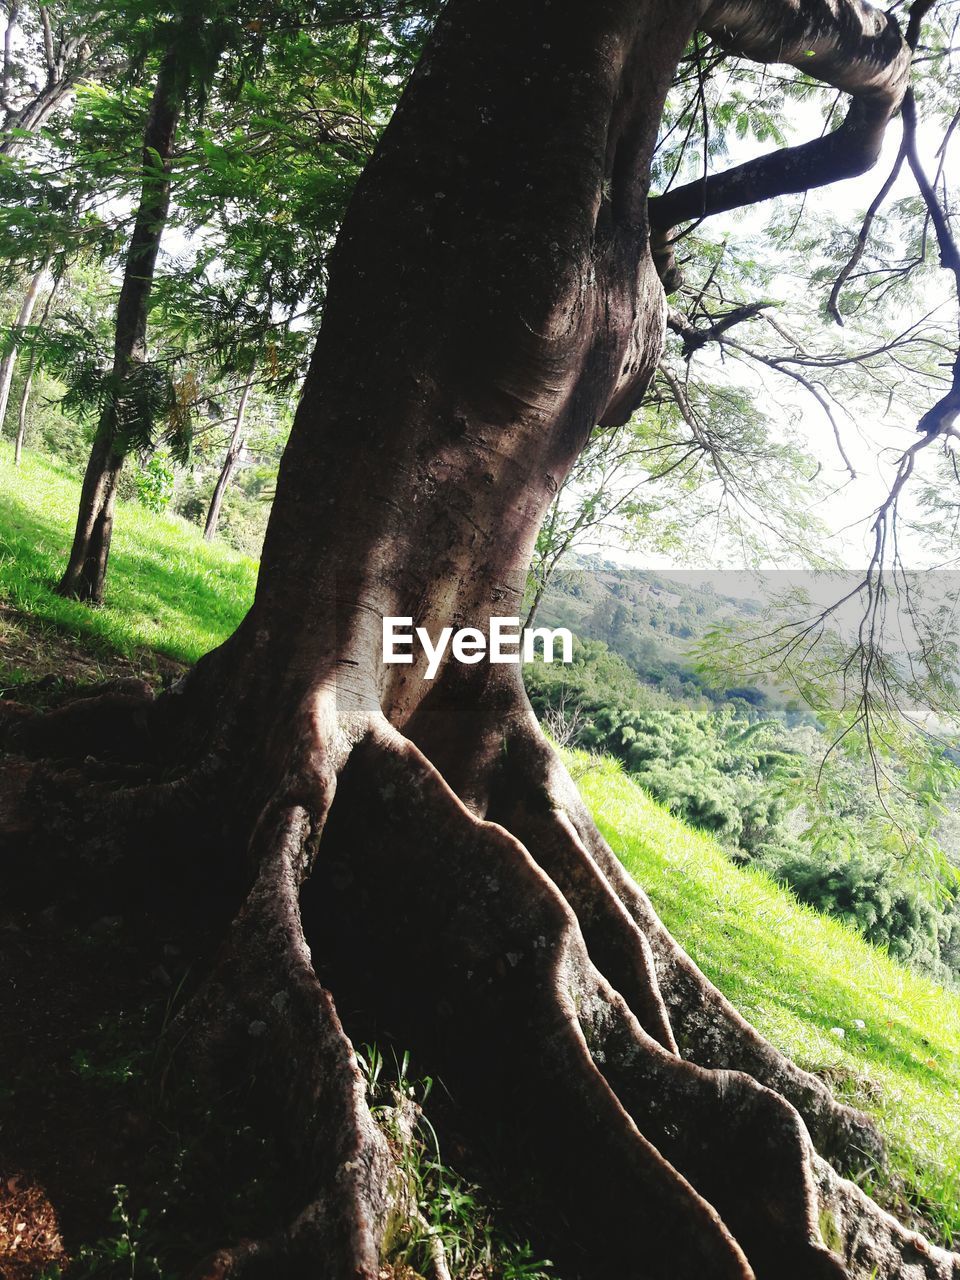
(166,589)
(797,975)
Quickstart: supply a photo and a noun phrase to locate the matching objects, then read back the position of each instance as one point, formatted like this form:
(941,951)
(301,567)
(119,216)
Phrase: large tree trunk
(230,461)
(85,575)
(413,847)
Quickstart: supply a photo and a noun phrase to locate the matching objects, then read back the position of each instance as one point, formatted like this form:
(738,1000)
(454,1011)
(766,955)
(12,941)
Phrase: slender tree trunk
(22,412)
(234,449)
(23,319)
(85,575)
(539,593)
(545,572)
(411,847)
(31,369)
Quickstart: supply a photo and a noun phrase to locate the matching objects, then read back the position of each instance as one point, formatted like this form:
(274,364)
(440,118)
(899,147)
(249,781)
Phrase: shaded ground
(112,1164)
(40,662)
(109,1166)
(72,1117)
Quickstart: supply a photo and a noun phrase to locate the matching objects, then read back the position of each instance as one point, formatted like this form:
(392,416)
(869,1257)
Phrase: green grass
(794,974)
(166,589)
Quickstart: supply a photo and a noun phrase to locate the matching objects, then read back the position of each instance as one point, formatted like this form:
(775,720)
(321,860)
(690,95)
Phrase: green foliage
(128,1254)
(284,103)
(869,703)
(447,1210)
(154,482)
(154,404)
(868,893)
(767,793)
(713,767)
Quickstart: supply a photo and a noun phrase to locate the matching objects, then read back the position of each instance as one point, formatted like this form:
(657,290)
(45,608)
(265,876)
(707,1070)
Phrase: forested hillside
(749,763)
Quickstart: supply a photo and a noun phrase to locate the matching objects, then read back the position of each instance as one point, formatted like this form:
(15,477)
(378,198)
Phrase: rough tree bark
(492,296)
(85,574)
(231,458)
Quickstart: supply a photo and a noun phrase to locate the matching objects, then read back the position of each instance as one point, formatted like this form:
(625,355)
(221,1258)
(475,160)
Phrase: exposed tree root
(708,1030)
(731,1146)
(873,1242)
(263,1004)
(648,1129)
(487,984)
(113,723)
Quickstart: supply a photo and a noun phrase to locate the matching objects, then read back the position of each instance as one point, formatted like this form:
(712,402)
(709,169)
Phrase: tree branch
(941,417)
(13,13)
(854,48)
(694,338)
(48,54)
(833,304)
(912,34)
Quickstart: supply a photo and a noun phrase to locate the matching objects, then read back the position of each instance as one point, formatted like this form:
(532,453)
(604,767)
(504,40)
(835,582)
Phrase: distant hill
(653,619)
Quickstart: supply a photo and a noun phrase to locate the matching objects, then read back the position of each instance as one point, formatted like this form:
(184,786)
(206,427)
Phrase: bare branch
(48,54)
(941,417)
(13,13)
(778,366)
(695,338)
(833,305)
(849,45)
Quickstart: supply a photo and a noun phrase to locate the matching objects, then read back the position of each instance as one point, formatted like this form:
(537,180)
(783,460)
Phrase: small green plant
(153,481)
(126,1254)
(445,1212)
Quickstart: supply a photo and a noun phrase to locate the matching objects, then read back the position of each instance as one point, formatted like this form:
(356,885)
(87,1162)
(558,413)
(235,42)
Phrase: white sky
(871,445)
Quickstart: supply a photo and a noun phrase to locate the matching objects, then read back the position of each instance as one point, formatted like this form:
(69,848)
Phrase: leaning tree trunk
(492,296)
(31,370)
(25,393)
(85,575)
(231,458)
(24,317)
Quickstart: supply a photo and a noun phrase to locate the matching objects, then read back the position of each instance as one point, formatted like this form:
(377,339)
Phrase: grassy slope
(166,589)
(795,974)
